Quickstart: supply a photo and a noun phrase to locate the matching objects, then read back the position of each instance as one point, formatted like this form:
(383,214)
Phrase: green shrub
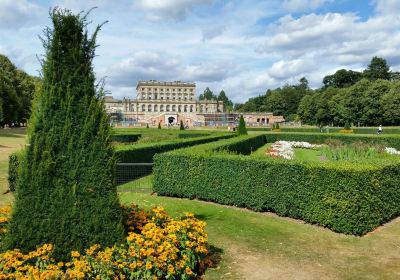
(144,153)
(347,126)
(147,125)
(356,130)
(159,125)
(66,192)
(242,126)
(14,161)
(125,138)
(277,126)
(348,198)
(181,127)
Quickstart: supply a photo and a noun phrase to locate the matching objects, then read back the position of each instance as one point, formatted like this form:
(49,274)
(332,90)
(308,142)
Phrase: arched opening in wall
(267,120)
(161,108)
(185,108)
(173,108)
(149,108)
(167,108)
(263,120)
(143,108)
(191,108)
(132,108)
(179,108)
(171,120)
(155,108)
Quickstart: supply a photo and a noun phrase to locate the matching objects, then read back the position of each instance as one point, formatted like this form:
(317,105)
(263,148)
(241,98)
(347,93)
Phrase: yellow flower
(75,254)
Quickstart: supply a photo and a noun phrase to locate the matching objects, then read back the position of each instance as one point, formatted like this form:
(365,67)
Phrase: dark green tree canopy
(66,193)
(228,104)
(342,78)
(378,69)
(207,95)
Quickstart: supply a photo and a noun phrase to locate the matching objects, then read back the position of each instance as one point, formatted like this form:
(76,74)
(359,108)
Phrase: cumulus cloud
(157,10)
(387,6)
(296,6)
(16,13)
(148,65)
(283,69)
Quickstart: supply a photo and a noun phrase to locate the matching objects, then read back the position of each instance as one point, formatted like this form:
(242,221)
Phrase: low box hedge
(356,130)
(143,153)
(125,138)
(343,196)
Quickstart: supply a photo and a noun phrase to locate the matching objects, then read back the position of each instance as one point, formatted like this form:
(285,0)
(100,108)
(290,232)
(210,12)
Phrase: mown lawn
(265,246)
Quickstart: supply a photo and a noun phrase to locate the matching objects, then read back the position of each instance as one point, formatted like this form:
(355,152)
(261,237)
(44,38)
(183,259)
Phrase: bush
(159,125)
(157,247)
(242,126)
(181,127)
(356,130)
(66,192)
(347,126)
(13,166)
(125,138)
(144,153)
(147,125)
(344,197)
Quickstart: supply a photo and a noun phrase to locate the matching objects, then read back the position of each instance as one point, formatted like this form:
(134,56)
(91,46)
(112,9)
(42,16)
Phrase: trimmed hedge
(144,153)
(125,138)
(13,165)
(318,138)
(356,130)
(192,135)
(345,197)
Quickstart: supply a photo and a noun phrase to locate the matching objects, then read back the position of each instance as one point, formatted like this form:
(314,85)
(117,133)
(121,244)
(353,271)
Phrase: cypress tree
(181,127)
(159,125)
(242,126)
(66,193)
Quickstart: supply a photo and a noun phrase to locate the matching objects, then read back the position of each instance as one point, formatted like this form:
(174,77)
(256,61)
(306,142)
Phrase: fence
(127,172)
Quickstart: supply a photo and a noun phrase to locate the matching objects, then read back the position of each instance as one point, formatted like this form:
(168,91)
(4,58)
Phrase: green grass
(263,244)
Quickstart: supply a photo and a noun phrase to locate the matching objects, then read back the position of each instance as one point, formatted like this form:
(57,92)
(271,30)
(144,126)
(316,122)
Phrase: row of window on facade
(167,98)
(167,89)
(170,108)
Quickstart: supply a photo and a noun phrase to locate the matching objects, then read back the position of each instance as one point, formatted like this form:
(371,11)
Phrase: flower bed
(156,246)
(284,149)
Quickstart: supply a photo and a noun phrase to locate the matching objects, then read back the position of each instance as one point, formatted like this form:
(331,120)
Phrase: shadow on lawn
(215,255)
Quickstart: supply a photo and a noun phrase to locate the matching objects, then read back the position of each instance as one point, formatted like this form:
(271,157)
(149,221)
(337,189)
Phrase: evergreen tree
(159,125)
(147,125)
(378,69)
(347,126)
(242,126)
(181,127)
(66,187)
(228,104)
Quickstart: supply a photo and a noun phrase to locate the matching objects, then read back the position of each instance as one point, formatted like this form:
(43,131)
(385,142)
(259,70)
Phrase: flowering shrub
(392,151)
(157,247)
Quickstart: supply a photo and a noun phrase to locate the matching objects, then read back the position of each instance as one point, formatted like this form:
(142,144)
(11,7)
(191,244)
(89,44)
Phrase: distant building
(170,102)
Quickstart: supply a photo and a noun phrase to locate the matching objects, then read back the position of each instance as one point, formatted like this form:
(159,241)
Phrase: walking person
(380,129)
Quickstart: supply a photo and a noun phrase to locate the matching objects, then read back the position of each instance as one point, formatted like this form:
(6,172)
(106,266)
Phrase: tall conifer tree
(66,193)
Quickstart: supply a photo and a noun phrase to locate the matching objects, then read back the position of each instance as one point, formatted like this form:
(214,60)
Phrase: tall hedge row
(144,153)
(347,198)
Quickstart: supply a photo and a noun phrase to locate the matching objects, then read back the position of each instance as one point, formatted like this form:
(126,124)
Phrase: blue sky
(244,47)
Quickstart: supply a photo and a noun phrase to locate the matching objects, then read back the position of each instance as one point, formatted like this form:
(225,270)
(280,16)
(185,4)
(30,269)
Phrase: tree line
(371,97)
(17,89)
(222,97)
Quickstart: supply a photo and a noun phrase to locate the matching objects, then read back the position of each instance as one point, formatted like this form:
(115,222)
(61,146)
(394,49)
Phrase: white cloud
(16,13)
(291,68)
(387,6)
(296,6)
(210,33)
(157,10)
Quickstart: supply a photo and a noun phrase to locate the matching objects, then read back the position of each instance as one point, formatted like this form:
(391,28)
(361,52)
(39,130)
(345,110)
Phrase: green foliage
(14,161)
(147,125)
(66,193)
(16,92)
(347,198)
(342,78)
(356,130)
(354,152)
(277,126)
(125,138)
(181,127)
(241,130)
(347,126)
(378,69)
(143,153)
(207,95)
(228,104)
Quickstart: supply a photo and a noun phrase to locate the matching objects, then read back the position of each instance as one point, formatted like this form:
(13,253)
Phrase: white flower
(392,151)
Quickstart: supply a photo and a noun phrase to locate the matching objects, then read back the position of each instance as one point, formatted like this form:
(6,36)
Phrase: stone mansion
(170,102)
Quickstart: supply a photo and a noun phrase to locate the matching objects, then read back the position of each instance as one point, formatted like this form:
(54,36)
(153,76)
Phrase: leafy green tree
(390,103)
(207,95)
(377,69)
(342,78)
(228,104)
(242,130)
(66,187)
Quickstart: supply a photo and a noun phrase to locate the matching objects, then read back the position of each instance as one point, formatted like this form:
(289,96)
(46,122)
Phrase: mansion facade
(168,103)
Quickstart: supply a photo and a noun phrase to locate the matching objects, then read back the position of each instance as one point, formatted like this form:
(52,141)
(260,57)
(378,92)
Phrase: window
(173,108)
(143,108)
(149,108)
(155,108)
(161,108)
(185,108)
(191,108)
(167,108)
(179,108)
